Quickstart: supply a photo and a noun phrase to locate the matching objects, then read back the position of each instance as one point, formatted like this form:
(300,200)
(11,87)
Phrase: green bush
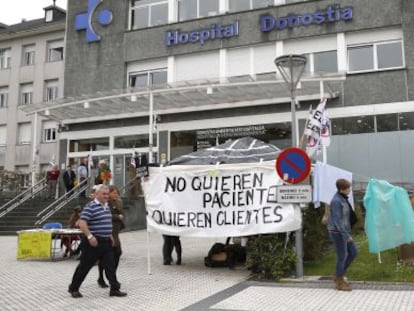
(315,234)
(271,256)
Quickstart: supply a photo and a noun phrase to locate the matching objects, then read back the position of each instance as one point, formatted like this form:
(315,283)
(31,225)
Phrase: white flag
(133,156)
(317,129)
(52,161)
(326,129)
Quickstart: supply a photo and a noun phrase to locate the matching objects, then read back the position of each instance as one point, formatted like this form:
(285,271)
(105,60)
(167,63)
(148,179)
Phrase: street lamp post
(291,68)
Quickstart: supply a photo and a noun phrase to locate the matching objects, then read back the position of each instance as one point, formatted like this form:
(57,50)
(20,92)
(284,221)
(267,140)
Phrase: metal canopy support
(177,98)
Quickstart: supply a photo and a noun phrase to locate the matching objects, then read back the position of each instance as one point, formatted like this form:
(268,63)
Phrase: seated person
(67,241)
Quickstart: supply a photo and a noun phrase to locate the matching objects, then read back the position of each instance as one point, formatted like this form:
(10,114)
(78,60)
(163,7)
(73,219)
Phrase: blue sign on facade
(83,21)
(216,31)
(332,14)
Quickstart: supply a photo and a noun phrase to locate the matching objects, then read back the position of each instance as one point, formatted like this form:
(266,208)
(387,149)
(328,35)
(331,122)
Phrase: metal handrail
(22,197)
(62,201)
(128,185)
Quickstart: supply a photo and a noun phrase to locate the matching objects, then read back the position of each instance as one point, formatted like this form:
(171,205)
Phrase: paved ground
(42,285)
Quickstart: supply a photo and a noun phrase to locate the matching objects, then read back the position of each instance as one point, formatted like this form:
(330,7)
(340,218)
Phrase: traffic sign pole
(293,165)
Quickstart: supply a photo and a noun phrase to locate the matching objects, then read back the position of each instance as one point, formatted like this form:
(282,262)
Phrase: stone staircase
(25,216)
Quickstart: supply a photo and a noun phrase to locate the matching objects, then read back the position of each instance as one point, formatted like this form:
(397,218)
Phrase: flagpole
(324,151)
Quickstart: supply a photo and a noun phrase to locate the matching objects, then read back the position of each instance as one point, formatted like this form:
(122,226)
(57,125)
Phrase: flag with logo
(317,129)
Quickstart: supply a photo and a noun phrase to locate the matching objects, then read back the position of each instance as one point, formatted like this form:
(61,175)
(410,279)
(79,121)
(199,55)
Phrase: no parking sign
(293,165)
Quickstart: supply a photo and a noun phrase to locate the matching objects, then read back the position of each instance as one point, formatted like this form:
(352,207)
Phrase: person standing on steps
(339,228)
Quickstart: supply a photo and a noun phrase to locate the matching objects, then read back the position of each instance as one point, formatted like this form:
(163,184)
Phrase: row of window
(362,58)
(148,13)
(26,93)
(24,132)
(54,54)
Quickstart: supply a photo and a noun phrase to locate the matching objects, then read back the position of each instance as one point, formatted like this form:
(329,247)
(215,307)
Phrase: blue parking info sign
(293,165)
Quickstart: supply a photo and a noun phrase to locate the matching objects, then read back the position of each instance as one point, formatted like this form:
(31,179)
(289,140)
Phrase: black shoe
(179,261)
(75,293)
(102,283)
(117,293)
(167,262)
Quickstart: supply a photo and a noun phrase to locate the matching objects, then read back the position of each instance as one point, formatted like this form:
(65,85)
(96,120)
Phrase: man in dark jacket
(69,178)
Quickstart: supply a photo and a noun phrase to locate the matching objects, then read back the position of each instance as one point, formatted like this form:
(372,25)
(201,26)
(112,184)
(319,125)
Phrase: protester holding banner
(339,228)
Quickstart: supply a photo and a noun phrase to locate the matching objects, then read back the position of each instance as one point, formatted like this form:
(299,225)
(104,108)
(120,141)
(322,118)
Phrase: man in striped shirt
(96,225)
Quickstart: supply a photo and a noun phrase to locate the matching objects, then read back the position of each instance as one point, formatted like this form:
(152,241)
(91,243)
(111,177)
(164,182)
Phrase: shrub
(271,256)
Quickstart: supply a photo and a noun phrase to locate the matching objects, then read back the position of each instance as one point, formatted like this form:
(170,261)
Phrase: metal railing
(23,197)
(59,203)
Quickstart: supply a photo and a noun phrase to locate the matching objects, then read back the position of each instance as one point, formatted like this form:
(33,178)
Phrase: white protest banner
(217,201)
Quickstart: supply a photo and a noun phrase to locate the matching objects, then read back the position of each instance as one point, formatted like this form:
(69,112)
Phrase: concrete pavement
(42,285)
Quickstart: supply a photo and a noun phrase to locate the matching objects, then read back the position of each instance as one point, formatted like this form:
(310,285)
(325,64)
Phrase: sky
(13,11)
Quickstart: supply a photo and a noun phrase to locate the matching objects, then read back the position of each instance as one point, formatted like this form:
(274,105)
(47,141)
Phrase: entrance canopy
(183,96)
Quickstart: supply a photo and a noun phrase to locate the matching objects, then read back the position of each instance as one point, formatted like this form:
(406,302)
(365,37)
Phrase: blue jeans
(345,252)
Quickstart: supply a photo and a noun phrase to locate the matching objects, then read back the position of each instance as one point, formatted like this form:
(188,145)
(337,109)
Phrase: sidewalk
(42,285)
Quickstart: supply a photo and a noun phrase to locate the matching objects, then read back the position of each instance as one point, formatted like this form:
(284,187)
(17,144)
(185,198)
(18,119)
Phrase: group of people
(100,221)
(71,179)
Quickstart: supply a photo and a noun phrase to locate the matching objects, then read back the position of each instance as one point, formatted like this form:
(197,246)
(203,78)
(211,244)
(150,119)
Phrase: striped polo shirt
(98,218)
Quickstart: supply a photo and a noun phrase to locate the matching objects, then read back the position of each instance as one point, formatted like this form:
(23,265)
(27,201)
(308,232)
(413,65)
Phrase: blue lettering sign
(333,13)
(216,31)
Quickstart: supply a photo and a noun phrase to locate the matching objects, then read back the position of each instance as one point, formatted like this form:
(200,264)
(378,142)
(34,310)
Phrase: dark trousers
(89,256)
(171,242)
(117,255)
(83,193)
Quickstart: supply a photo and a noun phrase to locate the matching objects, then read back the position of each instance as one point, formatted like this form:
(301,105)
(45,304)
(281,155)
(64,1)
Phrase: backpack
(217,256)
(225,255)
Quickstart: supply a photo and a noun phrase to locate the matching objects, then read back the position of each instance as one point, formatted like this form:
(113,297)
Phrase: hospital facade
(169,77)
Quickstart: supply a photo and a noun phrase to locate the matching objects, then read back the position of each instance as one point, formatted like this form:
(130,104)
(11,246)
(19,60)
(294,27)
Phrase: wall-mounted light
(47,112)
(86,105)
(209,90)
(133,98)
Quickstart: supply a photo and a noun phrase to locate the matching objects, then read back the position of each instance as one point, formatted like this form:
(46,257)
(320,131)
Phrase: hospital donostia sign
(332,14)
(218,31)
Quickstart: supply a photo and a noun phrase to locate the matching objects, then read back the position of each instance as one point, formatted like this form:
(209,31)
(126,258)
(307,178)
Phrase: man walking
(96,225)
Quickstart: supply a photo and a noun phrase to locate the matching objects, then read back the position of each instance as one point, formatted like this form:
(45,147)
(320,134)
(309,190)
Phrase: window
(28,57)
(321,62)
(377,56)
(24,133)
(4,58)
(207,64)
(55,51)
(353,125)
(133,141)
(147,13)
(51,91)
(49,131)
(3,135)
(406,121)
(49,16)
(244,5)
(4,94)
(191,9)
(147,78)
(387,122)
(26,94)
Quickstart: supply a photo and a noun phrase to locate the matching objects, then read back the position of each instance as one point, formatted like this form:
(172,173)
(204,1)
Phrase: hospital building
(168,77)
